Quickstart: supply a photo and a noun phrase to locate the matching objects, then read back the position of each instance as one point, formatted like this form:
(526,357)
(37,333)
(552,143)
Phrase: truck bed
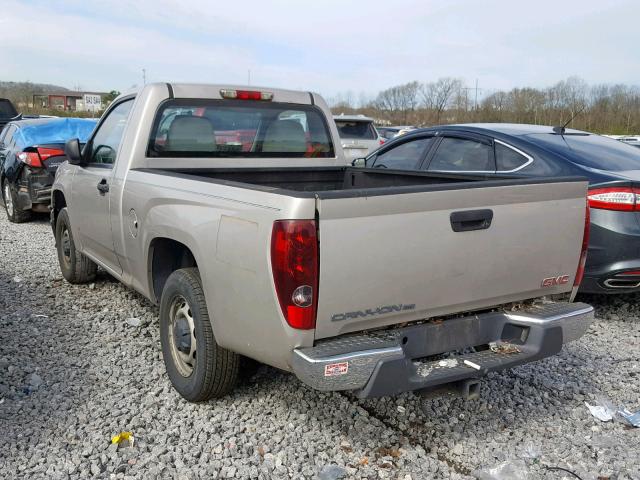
(343,182)
(400,246)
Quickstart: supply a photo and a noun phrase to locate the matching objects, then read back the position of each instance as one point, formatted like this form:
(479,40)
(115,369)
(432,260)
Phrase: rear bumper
(34,188)
(399,360)
(614,248)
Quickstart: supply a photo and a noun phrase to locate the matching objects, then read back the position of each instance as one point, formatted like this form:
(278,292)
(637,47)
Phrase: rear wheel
(14,214)
(75,267)
(198,367)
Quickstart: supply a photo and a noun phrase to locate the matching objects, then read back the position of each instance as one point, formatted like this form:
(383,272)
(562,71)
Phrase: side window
(405,156)
(104,144)
(7,134)
(507,159)
(462,155)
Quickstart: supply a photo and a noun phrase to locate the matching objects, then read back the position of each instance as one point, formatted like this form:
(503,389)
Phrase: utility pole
(476,101)
(144,76)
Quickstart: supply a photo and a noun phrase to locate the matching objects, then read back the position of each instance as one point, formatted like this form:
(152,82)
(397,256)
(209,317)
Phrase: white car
(358,135)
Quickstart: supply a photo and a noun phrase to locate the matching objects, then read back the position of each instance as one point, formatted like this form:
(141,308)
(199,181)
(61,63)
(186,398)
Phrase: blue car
(612,168)
(30,152)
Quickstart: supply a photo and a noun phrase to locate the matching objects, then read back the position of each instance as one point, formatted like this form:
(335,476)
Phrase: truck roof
(213,91)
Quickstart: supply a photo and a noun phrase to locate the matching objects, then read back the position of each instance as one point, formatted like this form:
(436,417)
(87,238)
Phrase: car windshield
(356,129)
(239,128)
(6,109)
(594,151)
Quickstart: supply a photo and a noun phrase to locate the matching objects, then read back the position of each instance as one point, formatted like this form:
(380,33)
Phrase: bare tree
(400,101)
(437,96)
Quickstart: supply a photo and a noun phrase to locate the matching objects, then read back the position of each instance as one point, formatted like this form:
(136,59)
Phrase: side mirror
(73,152)
(359,162)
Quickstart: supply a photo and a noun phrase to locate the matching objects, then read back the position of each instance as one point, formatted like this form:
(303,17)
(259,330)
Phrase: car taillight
(382,140)
(30,158)
(245,95)
(45,153)
(615,198)
(34,156)
(585,245)
(294,261)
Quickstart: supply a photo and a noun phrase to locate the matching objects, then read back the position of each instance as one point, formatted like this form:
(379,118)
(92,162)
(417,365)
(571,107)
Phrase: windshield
(356,129)
(6,109)
(239,128)
(594,151)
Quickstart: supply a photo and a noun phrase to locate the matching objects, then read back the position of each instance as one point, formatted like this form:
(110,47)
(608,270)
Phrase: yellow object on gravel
(123,437)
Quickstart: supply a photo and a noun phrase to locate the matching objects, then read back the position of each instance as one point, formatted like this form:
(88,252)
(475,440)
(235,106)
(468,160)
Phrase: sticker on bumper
(334,369)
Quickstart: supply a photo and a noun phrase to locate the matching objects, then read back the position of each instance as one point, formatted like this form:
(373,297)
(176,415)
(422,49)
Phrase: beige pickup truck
(232,209)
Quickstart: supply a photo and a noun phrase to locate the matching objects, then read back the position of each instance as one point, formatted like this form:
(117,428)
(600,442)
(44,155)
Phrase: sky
(325,46)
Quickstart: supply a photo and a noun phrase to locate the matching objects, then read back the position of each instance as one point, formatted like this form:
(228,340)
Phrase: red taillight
(30,158)
(382,140)
(45,153)
(245,94)
(585,245)
(294,261)
(615,198)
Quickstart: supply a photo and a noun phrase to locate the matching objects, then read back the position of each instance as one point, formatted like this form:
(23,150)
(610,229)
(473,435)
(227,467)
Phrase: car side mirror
(359,162)
(73,152)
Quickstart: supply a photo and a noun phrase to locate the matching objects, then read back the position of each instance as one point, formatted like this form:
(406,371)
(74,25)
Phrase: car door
(89,208)
(462,153)
(405,155)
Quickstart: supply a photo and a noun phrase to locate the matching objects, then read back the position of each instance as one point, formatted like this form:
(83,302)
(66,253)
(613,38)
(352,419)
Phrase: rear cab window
(356,129)
(239,128)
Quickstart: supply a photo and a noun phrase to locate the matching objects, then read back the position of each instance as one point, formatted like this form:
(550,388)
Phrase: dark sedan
(612,168)
(30,152)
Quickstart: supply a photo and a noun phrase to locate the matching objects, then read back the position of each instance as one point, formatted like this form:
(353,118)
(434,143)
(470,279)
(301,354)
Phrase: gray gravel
(79,364)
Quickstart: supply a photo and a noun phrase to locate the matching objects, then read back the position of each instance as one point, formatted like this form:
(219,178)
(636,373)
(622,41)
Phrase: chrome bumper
(390,361)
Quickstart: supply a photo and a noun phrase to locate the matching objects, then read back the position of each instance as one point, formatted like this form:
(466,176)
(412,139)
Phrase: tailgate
(387,259)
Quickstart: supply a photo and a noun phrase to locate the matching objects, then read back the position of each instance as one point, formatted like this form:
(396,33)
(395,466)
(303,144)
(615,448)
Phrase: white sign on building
(92,103)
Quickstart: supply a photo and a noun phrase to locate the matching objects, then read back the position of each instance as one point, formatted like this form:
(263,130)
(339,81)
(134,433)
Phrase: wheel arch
(58,202)
(165,256)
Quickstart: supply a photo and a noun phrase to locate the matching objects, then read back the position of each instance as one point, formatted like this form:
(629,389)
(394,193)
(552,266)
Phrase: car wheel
(75,267)
(198,367)
(14,214)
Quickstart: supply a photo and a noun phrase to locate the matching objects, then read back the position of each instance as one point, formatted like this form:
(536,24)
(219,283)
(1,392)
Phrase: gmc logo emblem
(553,281)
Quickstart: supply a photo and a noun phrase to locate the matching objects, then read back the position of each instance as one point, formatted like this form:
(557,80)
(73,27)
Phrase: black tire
(75,267)
(14,214)
(214,370)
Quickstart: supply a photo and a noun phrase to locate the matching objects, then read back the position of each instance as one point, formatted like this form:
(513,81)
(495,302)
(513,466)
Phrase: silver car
(358,135)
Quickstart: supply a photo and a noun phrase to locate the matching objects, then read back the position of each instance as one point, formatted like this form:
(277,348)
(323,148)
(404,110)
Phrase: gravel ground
(75,369)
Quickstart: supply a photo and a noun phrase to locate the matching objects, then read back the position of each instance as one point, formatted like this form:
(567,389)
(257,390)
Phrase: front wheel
(14,213)
(75,267)
(198,367)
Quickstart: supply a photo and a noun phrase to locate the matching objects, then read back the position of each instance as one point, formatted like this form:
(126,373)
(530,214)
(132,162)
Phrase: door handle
(103,186)
(469,220)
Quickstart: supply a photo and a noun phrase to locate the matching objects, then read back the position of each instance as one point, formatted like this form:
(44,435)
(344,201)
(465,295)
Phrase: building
(70,101)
